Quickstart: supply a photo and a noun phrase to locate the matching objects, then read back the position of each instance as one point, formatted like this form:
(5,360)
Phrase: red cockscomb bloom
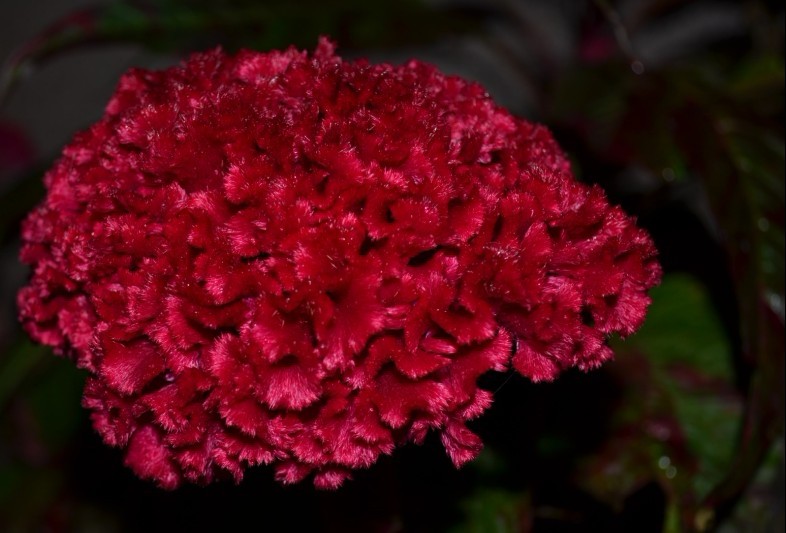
(289,259)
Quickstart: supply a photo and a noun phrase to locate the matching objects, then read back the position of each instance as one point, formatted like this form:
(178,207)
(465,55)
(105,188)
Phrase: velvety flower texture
(290,259)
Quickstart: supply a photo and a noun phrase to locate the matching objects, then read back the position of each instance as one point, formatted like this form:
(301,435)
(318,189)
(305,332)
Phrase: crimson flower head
(285,258)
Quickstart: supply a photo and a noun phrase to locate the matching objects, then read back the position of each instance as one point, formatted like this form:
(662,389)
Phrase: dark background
(674,107)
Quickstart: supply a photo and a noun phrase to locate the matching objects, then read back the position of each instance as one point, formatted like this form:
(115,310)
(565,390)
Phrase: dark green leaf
(495,511)
(17,364)
(678,419)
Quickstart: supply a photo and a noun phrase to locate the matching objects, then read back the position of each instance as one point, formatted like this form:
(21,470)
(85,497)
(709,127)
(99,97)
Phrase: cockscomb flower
(285,258)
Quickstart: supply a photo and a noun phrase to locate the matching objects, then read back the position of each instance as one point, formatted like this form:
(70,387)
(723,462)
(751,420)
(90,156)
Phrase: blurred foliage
(721,128)
(684,432)
(683,412)
(178,25)
(495,511)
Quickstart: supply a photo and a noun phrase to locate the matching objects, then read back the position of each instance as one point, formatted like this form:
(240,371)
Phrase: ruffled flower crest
(289,259)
